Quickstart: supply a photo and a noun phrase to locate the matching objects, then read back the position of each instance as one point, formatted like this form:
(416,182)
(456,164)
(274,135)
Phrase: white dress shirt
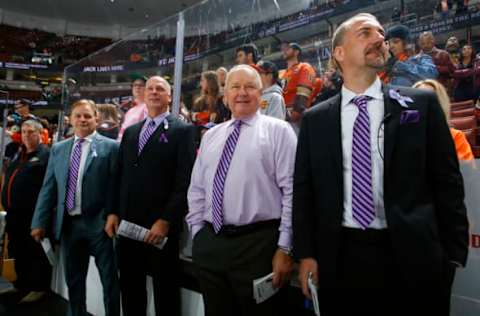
(77,209)
(349,112)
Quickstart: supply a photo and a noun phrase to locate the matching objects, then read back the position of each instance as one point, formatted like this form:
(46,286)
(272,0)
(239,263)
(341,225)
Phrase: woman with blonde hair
(464,151)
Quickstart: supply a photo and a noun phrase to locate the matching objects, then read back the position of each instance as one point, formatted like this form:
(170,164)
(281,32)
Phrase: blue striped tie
(146,135)
(221,176)
(73,174)
(363,210)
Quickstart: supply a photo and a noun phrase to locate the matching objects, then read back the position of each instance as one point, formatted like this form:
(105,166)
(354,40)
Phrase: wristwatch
(286,250)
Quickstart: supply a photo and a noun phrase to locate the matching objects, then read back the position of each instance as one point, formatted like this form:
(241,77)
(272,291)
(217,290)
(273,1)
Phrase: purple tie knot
(361,102)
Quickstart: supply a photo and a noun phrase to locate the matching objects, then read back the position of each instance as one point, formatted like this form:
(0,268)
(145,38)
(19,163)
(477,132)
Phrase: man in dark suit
(78,184)
(154,166)
(378,213)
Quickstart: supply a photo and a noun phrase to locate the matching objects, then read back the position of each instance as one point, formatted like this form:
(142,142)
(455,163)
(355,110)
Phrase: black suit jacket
(154,185)
(423,188)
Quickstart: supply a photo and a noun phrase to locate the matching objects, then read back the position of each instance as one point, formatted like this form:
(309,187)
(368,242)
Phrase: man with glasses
(138,111)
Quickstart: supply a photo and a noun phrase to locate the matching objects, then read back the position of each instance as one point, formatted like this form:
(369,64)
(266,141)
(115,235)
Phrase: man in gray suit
(79,184)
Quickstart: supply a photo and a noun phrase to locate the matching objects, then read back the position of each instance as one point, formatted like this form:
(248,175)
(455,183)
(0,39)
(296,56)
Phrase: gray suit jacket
(98,184)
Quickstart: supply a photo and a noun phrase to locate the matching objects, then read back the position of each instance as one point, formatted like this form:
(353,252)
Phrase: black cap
(295,46)
(266,66)
(398,31)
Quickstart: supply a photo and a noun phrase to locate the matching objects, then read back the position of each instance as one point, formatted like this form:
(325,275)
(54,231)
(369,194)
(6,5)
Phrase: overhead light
(112,1)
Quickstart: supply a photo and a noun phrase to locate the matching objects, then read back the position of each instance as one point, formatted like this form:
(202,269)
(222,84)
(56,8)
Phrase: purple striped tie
(221,176)
(73,174)
(146,135)
(362,195)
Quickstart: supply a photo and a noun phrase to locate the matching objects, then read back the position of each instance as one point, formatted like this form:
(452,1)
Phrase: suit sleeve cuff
(285,240)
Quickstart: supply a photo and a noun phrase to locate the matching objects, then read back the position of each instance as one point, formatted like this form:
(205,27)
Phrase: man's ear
(338,54)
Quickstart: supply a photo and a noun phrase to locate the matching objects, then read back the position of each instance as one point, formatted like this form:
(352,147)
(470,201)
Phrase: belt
(233,230)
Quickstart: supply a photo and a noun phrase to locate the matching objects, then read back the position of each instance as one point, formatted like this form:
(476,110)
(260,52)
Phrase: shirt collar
(89,138)
(157,119)
(374,91)
(248,121)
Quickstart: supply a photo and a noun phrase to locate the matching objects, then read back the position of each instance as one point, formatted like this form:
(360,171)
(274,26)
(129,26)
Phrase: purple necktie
(221,176)
(362,195)
(73,174)
(146,135)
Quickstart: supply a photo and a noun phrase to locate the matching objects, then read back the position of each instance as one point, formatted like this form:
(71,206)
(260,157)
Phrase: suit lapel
(64,157)
(336,137)
(391,122)
(160,129)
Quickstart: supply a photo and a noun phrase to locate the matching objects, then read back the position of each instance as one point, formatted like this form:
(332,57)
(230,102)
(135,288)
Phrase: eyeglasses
(138,85)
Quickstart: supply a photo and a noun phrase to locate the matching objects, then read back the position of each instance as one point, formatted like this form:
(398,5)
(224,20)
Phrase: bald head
(426,41)
(157,95)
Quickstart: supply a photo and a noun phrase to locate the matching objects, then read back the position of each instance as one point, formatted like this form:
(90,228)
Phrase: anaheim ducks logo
(263,104)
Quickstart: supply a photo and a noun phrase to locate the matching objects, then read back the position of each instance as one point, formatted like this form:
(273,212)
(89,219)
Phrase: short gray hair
(160,78)
(245,68)
(34,124)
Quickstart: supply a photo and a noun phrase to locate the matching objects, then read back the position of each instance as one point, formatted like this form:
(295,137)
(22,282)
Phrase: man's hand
(282,265)
(111,227)
(38,234)
(307,265)
(158,231)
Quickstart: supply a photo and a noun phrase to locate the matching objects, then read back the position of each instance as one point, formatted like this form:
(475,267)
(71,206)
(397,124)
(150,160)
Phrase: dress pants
(31,264)
(84,237)
(369,281)
(136,261)
(226,266)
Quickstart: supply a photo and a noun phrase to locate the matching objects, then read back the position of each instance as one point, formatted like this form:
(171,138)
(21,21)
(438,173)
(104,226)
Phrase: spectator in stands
(247,54)
(138,110)
(22,182)
(453,48)
(298,84)
(77,194)
(466,84)
(443,8)
(221,74)
(240,203)
(108,121)
(272,103)
(22,112)
(209,107)
(464,151)
(14,121)
(360,216)
(332,83)
(405,70)
(155,163)
(440,57)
